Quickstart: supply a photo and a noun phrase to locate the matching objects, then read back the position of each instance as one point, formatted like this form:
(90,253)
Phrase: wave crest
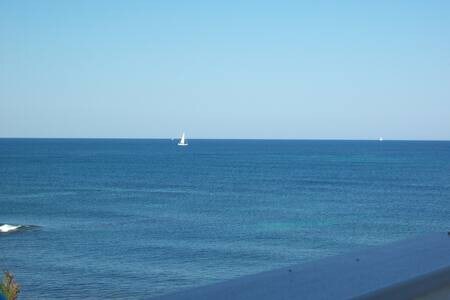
(9,228)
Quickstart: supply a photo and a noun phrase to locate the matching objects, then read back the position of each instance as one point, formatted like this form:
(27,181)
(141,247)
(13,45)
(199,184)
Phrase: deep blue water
(131,219)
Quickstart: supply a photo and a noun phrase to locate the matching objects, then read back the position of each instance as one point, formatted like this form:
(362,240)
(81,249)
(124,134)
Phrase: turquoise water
(139,218)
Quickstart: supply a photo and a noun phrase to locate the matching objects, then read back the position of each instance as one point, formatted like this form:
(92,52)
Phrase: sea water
(132,219)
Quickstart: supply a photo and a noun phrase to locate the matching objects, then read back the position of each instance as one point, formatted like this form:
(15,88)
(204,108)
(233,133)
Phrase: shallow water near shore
(139,218)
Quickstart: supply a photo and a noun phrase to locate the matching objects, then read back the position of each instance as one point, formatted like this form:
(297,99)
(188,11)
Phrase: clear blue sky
(234,69)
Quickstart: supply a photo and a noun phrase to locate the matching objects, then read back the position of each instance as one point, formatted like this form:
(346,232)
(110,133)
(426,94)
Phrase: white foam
(7,228)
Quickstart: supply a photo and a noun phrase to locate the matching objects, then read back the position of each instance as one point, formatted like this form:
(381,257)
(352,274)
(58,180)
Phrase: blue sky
(234,69)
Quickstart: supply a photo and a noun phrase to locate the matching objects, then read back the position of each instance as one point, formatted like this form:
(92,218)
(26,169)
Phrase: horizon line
(209,138)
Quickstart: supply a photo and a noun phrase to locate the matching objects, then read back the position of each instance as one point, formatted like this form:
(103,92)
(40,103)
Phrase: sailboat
(182,141)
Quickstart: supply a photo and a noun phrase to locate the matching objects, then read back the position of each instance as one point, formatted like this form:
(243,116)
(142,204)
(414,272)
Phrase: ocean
(132,219)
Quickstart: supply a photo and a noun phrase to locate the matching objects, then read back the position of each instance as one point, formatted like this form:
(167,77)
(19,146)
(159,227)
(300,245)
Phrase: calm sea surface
(131,219)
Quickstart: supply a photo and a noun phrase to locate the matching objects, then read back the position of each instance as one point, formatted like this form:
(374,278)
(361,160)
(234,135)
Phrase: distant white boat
(182,141)
(380,139)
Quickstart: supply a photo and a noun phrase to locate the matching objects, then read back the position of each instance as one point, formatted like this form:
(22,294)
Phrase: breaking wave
(9,228)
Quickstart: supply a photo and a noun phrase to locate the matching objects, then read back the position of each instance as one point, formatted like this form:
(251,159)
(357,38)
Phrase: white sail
(182,141)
